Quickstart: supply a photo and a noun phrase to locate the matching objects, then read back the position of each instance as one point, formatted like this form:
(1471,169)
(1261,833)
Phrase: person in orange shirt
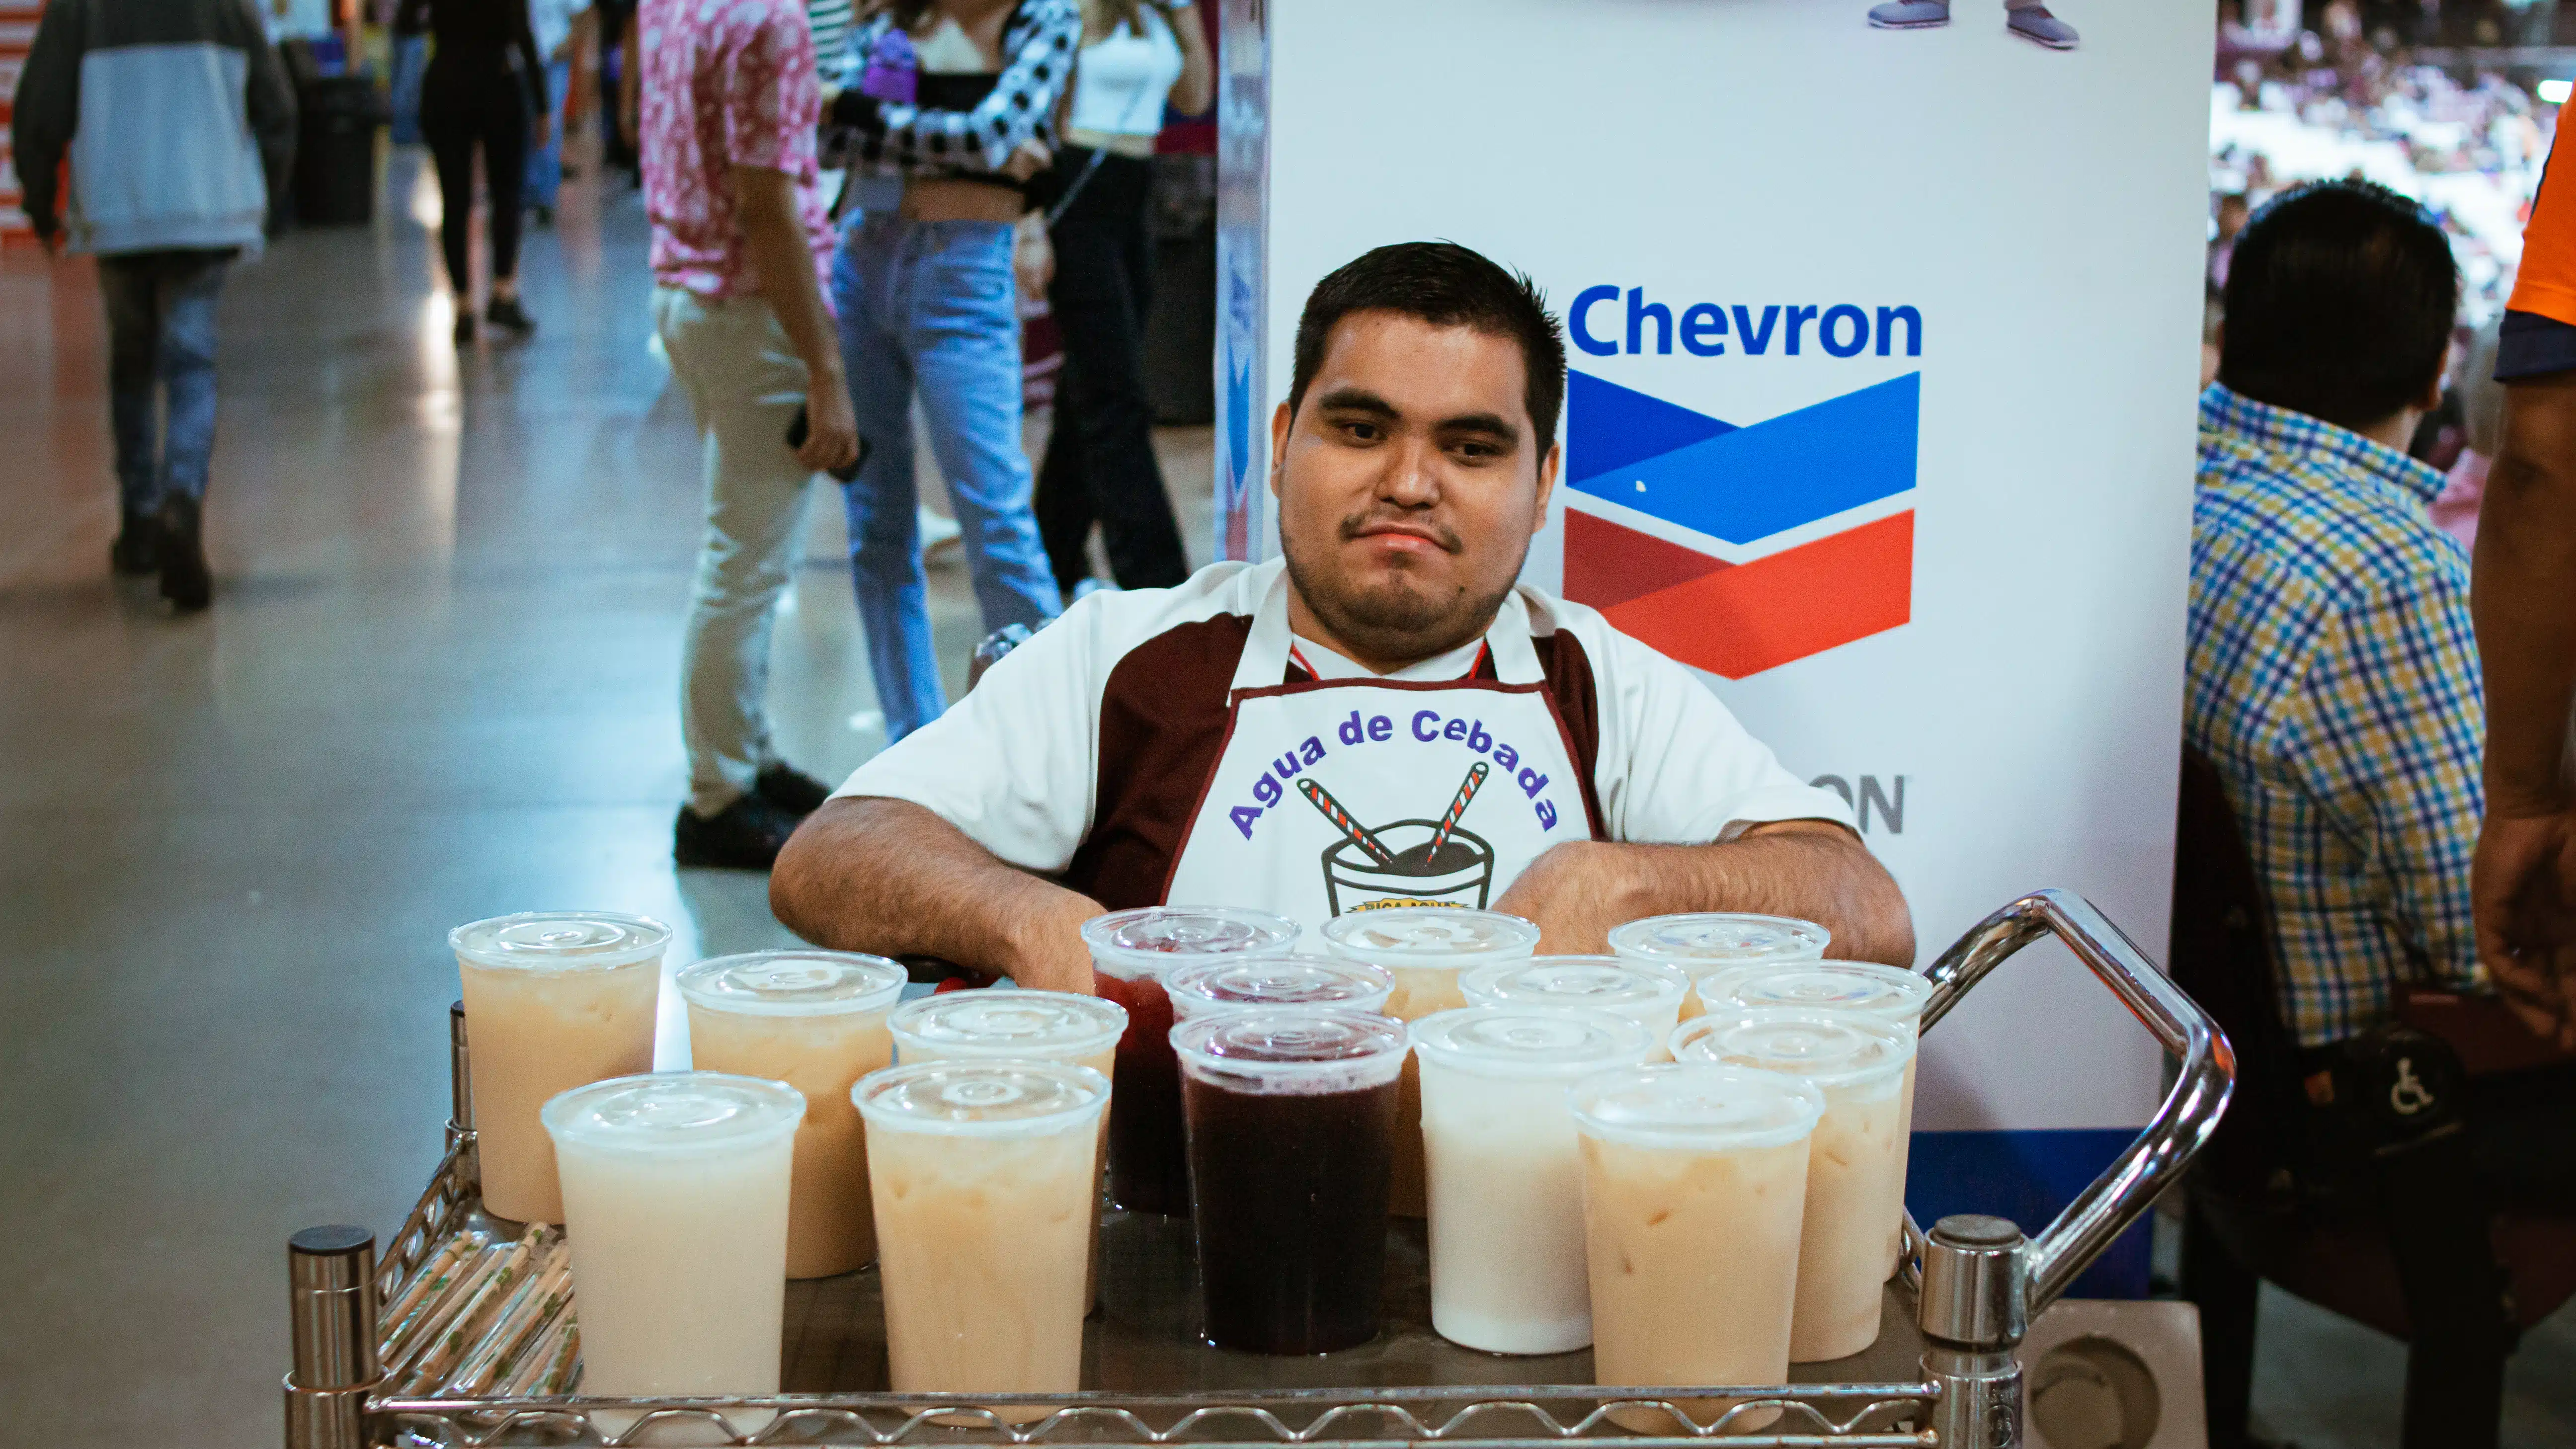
(2524,878)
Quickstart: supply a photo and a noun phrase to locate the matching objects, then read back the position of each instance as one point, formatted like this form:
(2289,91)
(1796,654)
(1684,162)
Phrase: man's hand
(1033,257)
(1048,954)
(832,426)
(2523,898)
(1574,892)
(52,242)
(1027,160)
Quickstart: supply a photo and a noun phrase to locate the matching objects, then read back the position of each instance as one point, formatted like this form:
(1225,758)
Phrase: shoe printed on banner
(2028,19)
(1702,538)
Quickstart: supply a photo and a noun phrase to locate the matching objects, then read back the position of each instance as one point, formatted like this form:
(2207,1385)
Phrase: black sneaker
(745,835)
(507,314)
(791,790)
(464,329)
(185,580)
(137,549)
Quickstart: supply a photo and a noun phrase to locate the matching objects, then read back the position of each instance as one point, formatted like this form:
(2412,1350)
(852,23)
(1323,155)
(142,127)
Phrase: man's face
(1409,485)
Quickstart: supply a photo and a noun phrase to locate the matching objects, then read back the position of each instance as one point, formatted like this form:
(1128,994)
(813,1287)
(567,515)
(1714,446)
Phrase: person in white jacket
(180,127)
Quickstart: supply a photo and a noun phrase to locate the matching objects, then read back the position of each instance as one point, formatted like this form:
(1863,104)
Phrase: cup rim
(693,984)
(900,1023)
(866,1089)
(1900,1042)
(772,1097)
(655,940)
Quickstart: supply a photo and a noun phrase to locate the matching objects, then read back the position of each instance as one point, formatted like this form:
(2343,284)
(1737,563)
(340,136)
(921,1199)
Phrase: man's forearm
(1811,870)
(774,238)
(2526,624)
(891,877)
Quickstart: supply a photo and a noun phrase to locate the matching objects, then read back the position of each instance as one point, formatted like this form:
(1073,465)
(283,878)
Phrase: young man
(181,131)
(729,106)
(1232,740)
(2028,19)
(2331,676)
(2526,609)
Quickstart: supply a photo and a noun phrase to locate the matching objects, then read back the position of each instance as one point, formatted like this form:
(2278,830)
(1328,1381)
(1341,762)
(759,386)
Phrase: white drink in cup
(984,1171)
(1044,1026)
(553,1000)
(1889,994)
(1506,1172)
(1700,944)
(675,1192)
(1323,983)
(1694,1193)
(1426,949)
(815,1020)
(1855,1166)
(1642,991)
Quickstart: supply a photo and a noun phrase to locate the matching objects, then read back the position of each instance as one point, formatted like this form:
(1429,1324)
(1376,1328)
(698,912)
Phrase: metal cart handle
(1982,1290)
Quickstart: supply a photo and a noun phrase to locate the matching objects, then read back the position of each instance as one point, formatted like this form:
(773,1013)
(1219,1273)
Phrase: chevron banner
(1740,548)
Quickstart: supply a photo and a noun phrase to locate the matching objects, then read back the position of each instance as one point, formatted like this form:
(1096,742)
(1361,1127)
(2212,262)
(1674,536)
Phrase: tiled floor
(438,683)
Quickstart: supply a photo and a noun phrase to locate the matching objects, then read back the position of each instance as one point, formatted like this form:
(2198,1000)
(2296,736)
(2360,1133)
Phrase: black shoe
(137,549)
(543,214)
(506,313)
(185,580)
(791,790)
(745,835)
(464,329)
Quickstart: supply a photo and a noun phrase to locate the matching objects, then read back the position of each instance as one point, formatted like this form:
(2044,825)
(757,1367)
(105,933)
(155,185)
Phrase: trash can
(335,150)
(1180,327)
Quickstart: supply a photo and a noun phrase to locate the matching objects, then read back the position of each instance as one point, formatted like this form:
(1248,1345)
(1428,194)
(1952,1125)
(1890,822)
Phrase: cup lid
(981,1097)
(1041,1025)
(1265,1049)
(675,1112)
(1309,981)
(561,940)
(794,983)
(1830,1049)
(1888,993)
(1704,1106)
(1435,936)
(1704,939)
(1521,1042)
(1600,983)
(1157,939)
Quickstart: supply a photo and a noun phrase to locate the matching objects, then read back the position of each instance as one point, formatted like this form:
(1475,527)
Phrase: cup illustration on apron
(1404,862)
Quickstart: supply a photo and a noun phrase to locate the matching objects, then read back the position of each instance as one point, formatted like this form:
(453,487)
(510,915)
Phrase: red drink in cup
(1131,953)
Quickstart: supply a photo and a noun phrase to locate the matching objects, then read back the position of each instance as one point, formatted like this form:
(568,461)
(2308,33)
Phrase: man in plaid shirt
(2333,677)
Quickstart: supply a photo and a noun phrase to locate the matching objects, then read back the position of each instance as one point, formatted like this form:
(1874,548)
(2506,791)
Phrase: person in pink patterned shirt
(740,242)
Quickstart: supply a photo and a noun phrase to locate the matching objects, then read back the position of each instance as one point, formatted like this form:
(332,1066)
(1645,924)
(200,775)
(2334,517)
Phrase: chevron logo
(1738,549)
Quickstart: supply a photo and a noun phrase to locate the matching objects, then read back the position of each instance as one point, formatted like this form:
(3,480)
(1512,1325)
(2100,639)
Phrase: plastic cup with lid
(1694,1190)
(1131,953)
(1506,1171)
(983,1169)
(1291,1126)
(1427,949)
(1643,991)
(1043,1026)
(553,1000)
(1856,1168)
(676,1192)
(815,1020)
(1702,943)
(1321,982)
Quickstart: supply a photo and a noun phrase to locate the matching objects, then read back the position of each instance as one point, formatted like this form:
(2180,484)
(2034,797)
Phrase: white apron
(1329,796)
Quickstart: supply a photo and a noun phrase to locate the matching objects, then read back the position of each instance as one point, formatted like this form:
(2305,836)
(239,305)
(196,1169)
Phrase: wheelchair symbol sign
(2409,1096)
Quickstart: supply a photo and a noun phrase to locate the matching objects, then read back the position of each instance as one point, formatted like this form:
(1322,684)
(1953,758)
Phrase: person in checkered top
(2332,676)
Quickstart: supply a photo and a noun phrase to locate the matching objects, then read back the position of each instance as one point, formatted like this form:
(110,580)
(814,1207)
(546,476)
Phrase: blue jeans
(161,340)
(545,167)
(931,306)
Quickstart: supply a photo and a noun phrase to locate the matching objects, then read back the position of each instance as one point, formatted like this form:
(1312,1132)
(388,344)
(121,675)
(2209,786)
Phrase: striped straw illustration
(1322,799)
(1467,791)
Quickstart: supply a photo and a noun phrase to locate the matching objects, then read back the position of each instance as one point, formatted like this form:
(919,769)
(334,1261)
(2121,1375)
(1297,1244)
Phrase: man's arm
(866,874)
(1813,870)
(773,235)
(2525,874)
(269,101)
(46,111)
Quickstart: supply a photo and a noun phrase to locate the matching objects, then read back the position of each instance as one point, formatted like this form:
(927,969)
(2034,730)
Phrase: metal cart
(1943,1372)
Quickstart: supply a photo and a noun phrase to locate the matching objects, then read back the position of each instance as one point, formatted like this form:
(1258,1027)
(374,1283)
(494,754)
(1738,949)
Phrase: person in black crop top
(485,86)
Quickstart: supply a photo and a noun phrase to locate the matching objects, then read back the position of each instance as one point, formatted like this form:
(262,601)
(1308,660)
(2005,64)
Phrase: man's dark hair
(1446,285)
(2340,299)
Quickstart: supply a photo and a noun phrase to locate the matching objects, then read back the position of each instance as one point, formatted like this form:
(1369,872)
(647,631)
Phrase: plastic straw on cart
(545,1290)
(517,1377)
(424,1321)
(1475,778)
(432,1275)
(446,1348)
(1322,799)
(563,1366)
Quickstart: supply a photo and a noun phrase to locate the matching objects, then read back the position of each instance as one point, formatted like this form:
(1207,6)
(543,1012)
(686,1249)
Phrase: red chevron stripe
(1741,620)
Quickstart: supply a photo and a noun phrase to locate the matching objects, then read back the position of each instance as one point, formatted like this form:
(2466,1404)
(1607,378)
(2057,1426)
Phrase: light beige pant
(744,382)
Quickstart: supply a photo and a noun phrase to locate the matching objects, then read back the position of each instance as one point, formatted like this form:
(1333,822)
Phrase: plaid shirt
(1038,43)
(2333,680)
